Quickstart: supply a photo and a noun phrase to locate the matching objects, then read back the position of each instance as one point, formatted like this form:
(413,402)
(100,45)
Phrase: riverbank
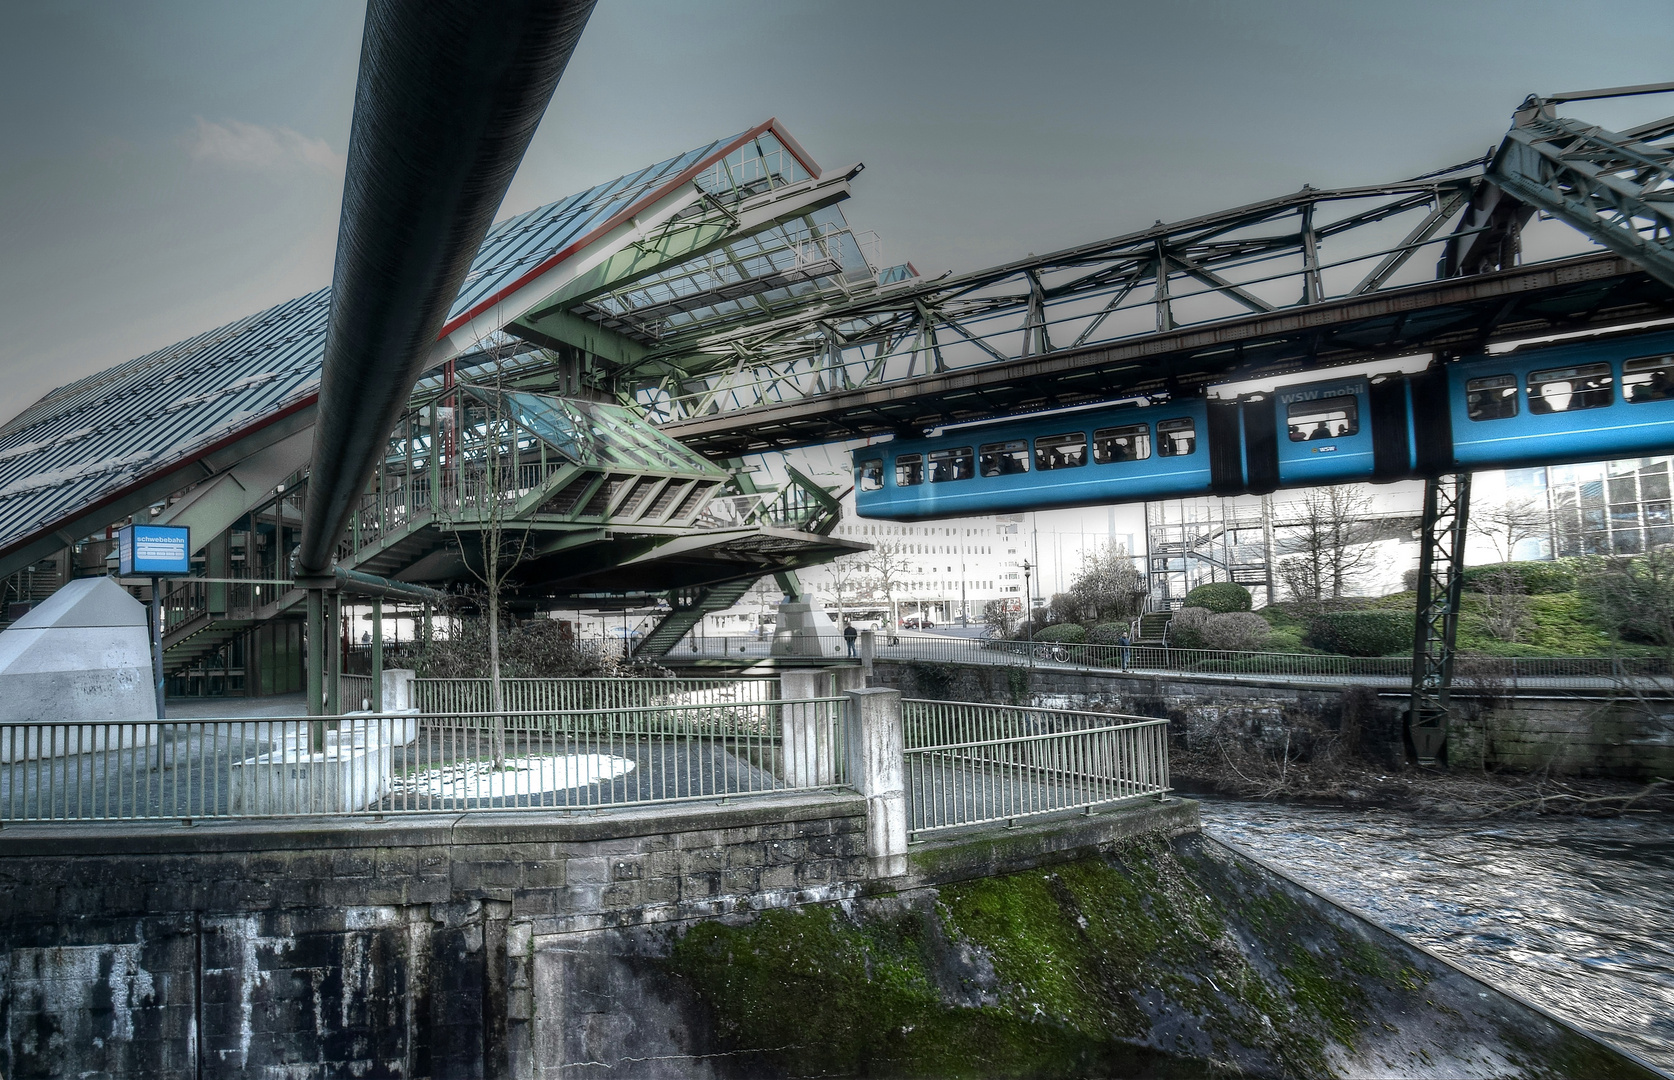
(1239,770)
(1572,913)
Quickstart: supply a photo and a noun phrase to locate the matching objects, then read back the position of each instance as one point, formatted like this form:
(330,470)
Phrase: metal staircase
(689,608)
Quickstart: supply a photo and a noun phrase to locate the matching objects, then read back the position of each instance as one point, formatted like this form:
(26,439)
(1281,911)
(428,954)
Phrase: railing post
(806,738)
(876,747)
(868,649)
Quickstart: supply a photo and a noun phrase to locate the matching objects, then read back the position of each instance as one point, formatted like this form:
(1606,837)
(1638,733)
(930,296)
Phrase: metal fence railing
(356,691)
(1579,671)
(967,764)
(393,764)
(563,695)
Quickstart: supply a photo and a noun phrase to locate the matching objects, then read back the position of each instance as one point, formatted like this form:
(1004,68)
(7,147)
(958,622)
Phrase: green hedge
(1107,633)
(1220,597)
(1537,578)
(1361,633)
(1063,634)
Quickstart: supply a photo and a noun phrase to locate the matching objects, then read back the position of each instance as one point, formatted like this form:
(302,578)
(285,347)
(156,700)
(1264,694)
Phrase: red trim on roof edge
(627,214)
(772,124)
(151,478)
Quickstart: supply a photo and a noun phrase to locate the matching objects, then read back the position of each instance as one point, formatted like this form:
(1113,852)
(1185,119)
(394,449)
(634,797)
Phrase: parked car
(917,622)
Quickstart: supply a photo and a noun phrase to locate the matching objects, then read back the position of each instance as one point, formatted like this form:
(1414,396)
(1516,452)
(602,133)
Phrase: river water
(1575,914)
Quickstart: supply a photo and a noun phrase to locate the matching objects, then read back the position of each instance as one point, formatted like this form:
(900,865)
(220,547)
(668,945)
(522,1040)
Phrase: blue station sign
(157,550)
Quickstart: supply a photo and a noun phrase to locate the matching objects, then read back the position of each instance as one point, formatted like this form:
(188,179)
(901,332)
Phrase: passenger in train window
(1587,386)
(1648,378)
(1326,418)
(1004,458)
(871,475)
(1491,398)
(1067,451)
(1176,438)
(909,470)
(955,464)
(1131,442)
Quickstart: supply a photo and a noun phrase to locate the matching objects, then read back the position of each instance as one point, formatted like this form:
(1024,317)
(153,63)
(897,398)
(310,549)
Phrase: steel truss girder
(1441,565)
(1224,256)
(1615,187)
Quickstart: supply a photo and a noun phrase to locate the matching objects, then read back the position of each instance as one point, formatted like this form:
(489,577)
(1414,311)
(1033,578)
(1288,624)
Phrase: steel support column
(334,666)
(316,654)
(378,654)
(1441,563)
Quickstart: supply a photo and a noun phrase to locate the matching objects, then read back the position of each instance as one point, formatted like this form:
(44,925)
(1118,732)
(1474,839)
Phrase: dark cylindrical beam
(449,96)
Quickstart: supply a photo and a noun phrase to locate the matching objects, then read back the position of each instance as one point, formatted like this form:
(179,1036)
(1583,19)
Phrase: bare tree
(1327,543)
(1505,606)
(487,494)
(1108,587)
(888,566)
(763,591)
(1507,524)
(847,573)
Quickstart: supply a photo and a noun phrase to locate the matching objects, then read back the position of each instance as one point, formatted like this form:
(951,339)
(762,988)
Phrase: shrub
(1200,628)
(1063,634)
(1219,597)
(1107,633)
(1185,629)
(1361,633)
(1235,631)
(1535,578)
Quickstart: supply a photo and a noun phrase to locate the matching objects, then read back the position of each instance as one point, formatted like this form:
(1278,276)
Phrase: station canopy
(740,229)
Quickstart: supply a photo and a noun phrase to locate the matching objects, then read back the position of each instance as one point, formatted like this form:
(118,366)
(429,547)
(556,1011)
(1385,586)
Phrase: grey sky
(170,167)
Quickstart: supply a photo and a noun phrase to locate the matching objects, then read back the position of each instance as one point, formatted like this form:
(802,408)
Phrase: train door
(1324,433)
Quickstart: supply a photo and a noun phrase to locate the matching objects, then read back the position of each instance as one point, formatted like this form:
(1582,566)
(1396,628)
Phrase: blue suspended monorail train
(1582,401)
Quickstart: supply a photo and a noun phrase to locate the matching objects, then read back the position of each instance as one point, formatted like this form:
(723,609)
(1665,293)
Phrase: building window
(1131,442)
(1004,458)
(1176,438)
(1586,386)
(1066,451)
(1492,398)
(1648,378)
(909,470)
(1326,418)
(955,464)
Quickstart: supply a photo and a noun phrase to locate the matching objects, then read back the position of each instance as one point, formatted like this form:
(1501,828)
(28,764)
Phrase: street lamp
(1029,610)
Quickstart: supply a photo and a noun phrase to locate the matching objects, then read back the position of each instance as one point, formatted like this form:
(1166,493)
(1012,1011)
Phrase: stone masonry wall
(1584,733)
(370,949)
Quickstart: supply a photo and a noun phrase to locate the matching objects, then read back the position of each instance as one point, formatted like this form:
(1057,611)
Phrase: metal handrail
(395,763)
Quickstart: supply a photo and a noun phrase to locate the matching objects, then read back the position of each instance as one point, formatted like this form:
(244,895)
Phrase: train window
(909,470)
(955,464)
(1066,451)
(1323,418)
(1176,438)
(871,475)
(1492,398)
(1004,458)
(1648,378)
(1586,386)
(1131,442)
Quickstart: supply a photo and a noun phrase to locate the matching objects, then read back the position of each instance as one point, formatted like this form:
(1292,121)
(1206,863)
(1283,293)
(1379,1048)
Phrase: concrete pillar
(876,743)
(846,678)
(397,690)
(868,649)
(808,737)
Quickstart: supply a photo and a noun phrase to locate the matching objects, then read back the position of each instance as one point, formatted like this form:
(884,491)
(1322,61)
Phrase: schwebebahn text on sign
(157,550)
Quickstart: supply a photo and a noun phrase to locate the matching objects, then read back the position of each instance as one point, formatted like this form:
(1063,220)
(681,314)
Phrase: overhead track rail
(450,94)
